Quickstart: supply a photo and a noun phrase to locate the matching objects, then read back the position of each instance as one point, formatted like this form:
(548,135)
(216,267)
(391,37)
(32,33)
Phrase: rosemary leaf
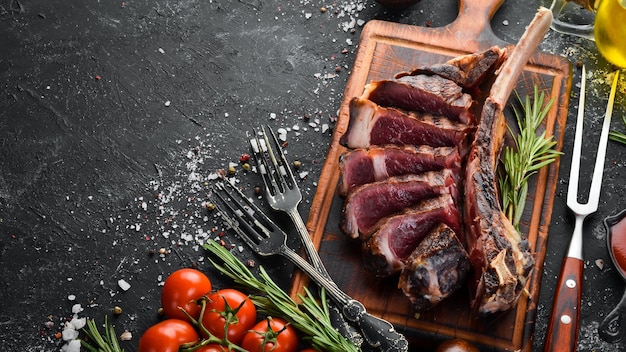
(531,152)
(106,343)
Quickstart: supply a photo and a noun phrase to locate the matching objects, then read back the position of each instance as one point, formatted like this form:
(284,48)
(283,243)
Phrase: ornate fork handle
(377,332)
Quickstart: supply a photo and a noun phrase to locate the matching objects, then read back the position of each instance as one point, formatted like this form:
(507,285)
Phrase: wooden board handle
(562,334)
(474,21)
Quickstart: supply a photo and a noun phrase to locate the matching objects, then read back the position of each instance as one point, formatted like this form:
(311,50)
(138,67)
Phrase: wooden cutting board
(386,48)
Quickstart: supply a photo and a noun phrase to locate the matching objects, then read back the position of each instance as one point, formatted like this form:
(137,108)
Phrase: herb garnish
(103,343)
(311,318)
(532,152)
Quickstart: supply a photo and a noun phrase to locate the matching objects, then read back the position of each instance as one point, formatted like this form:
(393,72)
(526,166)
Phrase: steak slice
(367,204)
(500,256)
(361,166)
(468,71)
(423,93)
(385,252)
(371,124)
(438,267)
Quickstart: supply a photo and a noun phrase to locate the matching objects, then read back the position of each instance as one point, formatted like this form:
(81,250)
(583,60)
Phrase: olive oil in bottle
(610,30)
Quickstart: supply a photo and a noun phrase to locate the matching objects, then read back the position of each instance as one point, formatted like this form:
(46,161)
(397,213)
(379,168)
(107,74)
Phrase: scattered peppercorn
(244,158)
(209,206)
(246,167)
(257,190)
(297,164)
(323,9)
(231,170)
(117,310)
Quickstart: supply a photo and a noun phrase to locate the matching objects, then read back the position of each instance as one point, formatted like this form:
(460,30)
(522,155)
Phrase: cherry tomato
(212,348)
(167,336)
(271,334)
(183,288)
(232,306)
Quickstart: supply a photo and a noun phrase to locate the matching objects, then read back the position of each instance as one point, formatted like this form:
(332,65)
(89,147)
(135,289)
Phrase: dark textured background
(114,113)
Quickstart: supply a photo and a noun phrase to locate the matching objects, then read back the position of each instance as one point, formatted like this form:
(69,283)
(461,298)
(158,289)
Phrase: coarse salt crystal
(168,103)
(123,284)
(71,297)
(69,334)
(71,346)
(78,323)
(77,308)
(161,51)
(282,134)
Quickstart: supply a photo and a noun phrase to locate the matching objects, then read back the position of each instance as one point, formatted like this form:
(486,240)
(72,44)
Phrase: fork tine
(259,148)
(248,219)
(280,163)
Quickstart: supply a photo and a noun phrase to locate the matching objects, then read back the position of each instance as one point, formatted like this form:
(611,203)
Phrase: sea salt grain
(123,284)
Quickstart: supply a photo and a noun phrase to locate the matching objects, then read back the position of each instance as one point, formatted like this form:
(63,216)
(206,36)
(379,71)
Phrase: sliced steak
(468,71)
(438,267)
(371,124)
(385,252)
(423,93)
(369,203)
(499,254)
(361,166)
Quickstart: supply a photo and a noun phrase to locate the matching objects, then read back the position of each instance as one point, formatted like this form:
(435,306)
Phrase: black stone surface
(113,114)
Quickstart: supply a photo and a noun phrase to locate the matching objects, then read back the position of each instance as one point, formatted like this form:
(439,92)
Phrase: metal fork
(562,334)
(265,238)
(281,189)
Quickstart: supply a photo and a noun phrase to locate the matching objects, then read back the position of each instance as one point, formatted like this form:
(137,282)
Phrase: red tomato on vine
(167,336)
(213,348)
(271,334)
(182,289)
(232,306)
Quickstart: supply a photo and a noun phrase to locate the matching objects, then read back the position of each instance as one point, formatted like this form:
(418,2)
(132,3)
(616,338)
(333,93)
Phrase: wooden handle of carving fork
(562,334)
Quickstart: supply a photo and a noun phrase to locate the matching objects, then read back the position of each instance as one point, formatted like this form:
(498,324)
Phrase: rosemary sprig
(532,152)
(103,343)
(310,317)
(618,136)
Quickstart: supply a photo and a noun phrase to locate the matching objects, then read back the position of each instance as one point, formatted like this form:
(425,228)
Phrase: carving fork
(562,334)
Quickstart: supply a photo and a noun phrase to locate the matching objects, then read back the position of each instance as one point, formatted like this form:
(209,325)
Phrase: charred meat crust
(468,71)
(436,269)
(501,258)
